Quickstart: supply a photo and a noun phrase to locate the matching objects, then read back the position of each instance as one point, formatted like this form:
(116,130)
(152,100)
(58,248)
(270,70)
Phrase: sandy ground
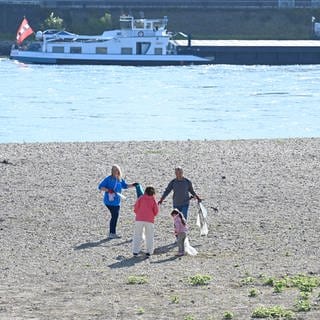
(56,263)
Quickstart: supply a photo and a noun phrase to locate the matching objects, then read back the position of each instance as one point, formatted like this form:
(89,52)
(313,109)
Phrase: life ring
(140,34)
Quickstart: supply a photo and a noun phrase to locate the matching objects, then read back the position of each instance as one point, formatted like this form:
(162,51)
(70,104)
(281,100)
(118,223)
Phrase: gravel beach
(262,198)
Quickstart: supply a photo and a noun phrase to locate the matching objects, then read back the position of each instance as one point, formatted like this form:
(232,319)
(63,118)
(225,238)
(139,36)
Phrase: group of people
(146,208)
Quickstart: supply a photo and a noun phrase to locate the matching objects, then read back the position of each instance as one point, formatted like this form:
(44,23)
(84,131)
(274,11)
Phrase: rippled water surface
(104,103)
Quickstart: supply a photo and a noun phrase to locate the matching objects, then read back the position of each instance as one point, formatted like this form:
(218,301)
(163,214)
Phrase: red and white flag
(24,31)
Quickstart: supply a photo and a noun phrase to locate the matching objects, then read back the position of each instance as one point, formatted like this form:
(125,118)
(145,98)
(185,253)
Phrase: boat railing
(28,46)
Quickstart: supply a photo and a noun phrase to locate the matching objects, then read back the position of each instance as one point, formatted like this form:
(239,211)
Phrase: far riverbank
(201,23)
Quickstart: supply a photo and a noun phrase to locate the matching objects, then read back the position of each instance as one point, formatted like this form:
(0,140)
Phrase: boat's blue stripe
(107,62)
(35,60)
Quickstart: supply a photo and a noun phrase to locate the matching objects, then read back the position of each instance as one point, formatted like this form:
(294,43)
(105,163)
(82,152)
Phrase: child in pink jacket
(180,230)
(145,208)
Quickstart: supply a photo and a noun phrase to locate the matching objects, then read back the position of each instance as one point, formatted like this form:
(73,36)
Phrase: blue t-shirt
(112,183)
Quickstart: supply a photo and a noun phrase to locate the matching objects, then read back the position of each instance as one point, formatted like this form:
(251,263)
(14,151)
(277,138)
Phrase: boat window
(101,50)
(126,24)
(156,26)
(75,50)
(126,50)
(34,47)
(158,51)
(57,49)
(139,24)
(142,47)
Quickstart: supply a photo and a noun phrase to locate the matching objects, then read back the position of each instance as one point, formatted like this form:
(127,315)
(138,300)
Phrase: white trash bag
(191,251)
(202,220)
(121,195)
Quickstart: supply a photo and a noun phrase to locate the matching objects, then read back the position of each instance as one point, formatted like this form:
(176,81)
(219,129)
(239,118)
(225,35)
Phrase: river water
(107,103)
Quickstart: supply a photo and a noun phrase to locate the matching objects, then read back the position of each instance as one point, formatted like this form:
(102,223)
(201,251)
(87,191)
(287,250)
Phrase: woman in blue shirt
(112,186)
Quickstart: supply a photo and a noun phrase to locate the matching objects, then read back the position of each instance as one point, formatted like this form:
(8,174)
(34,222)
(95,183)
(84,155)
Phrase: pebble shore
(262,198)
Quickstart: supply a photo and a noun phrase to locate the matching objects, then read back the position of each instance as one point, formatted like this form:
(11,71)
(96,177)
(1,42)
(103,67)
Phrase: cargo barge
(252,52)
(146,42)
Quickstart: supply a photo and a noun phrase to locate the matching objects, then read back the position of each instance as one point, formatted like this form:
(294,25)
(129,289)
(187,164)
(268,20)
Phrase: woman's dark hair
(150,191)
(179,213)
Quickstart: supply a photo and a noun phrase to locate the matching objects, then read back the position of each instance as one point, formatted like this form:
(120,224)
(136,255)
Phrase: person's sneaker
(180,254)
(135,254)
(148,254)
(114,236)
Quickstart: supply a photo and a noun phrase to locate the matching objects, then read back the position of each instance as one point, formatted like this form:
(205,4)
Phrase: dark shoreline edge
(161,142)
(5,46)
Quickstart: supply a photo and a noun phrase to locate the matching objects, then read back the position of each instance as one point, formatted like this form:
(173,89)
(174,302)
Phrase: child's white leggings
(148,228)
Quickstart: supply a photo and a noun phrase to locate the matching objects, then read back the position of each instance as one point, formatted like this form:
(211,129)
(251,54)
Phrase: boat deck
(250,43)
(270,52)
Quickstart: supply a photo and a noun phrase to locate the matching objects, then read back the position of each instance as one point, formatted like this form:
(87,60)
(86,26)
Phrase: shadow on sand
(173,258)
(93,244)
(165,249)
(127,262)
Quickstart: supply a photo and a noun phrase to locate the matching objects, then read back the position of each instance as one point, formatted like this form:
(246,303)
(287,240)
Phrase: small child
(180,229)
(145,208)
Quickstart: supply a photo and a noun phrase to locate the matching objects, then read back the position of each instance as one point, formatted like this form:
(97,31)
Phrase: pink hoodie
(146,208)
(179,227)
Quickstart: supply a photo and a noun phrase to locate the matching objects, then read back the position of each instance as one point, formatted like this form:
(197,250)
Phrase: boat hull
(123,60)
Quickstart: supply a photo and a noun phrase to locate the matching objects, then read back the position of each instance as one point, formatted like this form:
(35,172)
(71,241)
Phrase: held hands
(160,202)
(135,184)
